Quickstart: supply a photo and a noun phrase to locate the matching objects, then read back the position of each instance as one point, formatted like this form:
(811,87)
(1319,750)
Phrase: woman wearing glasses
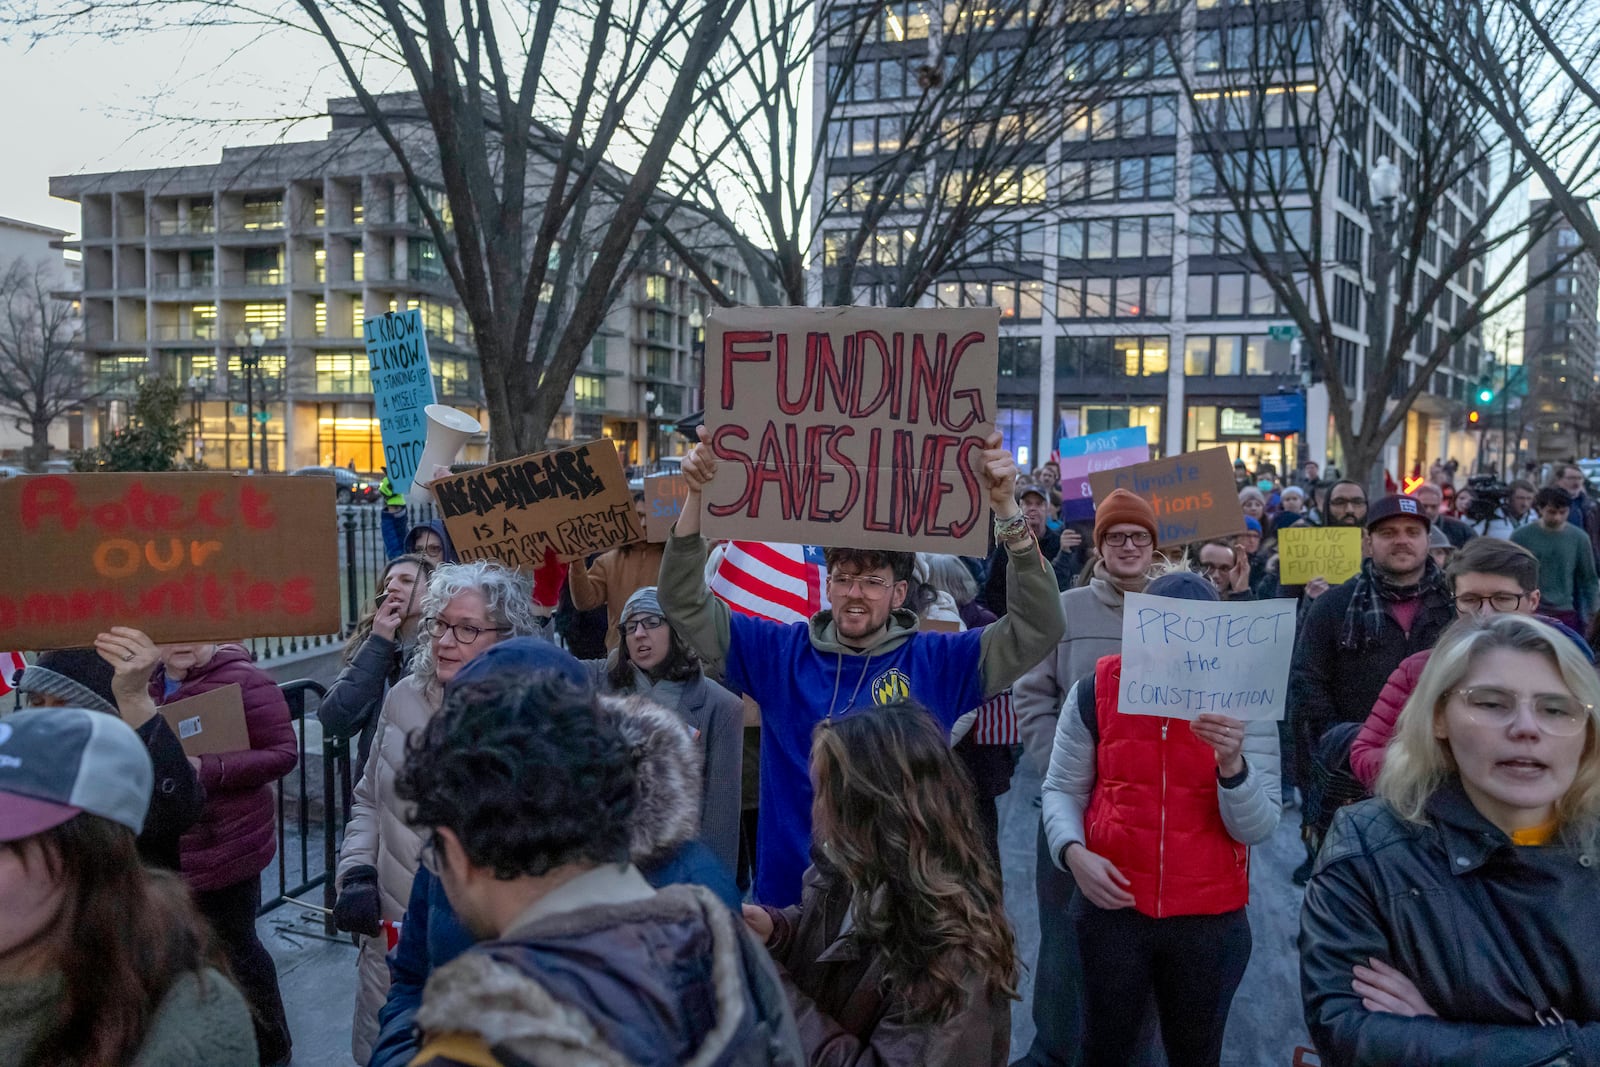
(468,609)
(1450,919)
(652,661)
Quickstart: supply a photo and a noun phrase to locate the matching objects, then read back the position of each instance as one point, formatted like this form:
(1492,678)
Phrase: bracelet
(1233,781)
(1010,530)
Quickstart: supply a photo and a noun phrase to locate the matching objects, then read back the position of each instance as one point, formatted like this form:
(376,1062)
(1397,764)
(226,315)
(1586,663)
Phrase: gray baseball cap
(56,763)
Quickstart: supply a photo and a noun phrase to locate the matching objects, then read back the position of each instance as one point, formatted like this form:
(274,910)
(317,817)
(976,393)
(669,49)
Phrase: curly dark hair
(864,560)
(681,664)
(901,829)
(526,772)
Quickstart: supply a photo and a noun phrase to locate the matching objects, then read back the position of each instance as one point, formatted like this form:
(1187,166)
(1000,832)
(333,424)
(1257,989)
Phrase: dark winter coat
(350,708)
(669,978)
(1064,565)
(1328,684)
(235,837)
(432,935)
(1418,897)
(176,797)
(845,1015)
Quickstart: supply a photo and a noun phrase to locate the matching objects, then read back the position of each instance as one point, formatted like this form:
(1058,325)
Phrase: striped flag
(11,664)
(997,722)
(783,583)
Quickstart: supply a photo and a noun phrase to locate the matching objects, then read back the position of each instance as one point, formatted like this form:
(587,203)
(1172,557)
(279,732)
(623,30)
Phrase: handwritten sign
(1182,658)
(184,556)
(1082,456)
(1193,494)
(1329,552)
(858,427)
(210,722)
(664,495)
(402,385)
(572,500)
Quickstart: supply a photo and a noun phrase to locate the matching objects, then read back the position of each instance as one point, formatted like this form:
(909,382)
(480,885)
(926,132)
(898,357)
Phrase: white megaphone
(448,430)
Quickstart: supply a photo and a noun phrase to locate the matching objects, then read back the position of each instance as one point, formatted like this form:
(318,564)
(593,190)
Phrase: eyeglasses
(1216,568)
(641,622)
(870,587)
(1138,538)
(464,633)
(1347,501)
(1557,714)
(1471,603)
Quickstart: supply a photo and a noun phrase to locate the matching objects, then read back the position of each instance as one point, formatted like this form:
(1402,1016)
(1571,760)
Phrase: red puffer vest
(1154,810)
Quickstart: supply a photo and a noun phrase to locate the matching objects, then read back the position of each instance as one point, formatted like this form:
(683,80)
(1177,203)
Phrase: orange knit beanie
(1123,506)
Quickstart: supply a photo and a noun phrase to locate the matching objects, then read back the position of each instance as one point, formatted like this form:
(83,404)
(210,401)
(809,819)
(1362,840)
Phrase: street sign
(1284,332)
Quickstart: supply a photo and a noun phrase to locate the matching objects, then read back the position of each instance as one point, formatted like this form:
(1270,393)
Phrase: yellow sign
(1329,552)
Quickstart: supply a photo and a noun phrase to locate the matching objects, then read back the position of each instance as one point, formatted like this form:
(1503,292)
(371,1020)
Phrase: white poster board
(1182,658)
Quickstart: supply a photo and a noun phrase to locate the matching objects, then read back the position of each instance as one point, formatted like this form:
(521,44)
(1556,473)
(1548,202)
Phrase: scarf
(668,694)
(1125,585)
(1363,620)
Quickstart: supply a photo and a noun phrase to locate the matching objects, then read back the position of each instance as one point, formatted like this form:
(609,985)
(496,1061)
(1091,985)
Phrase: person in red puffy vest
(1153,817)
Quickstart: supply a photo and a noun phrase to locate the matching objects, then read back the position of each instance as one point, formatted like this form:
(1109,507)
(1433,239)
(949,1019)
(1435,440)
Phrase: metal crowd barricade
(330,804)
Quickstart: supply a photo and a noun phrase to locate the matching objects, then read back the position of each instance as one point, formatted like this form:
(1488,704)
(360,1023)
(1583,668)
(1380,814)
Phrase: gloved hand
(357,909)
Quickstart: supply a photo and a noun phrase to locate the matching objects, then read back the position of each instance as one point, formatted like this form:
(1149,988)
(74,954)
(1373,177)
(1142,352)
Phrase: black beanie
(73,675)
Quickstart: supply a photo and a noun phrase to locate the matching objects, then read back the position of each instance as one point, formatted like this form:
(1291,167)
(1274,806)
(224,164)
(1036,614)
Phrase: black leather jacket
(1417,897)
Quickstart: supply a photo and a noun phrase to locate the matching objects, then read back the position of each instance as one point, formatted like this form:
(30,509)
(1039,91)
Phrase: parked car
(349,487)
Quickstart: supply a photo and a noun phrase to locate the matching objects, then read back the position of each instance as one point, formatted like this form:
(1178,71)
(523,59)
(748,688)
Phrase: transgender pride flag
(784,583)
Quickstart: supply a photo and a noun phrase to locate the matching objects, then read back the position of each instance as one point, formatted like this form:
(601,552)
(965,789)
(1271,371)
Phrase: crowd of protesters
(565,855)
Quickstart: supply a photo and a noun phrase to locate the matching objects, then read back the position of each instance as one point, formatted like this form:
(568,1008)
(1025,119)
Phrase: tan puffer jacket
(379,837)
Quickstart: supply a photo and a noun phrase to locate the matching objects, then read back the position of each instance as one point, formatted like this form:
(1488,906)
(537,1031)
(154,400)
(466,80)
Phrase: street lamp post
(249,351)
(1384,205)
(199,386)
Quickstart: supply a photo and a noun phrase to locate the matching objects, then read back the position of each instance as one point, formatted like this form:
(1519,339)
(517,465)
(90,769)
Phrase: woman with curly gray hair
(468,609)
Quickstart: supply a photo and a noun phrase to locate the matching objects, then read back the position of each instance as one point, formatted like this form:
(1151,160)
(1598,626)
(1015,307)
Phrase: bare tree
(547,126)
(944,178)
(42,372)
(1294,105)
(1533,67)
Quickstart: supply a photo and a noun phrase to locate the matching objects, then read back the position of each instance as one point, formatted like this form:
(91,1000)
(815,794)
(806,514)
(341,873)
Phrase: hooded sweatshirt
(801,674)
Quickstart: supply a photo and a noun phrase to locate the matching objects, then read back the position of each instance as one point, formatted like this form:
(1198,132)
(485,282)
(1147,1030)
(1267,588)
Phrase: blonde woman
(1451,919)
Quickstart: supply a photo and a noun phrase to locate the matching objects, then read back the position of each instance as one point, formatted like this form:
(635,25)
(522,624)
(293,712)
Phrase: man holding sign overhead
(865,650)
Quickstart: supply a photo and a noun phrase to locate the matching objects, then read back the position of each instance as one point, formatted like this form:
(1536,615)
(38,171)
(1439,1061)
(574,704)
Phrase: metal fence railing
(310,820)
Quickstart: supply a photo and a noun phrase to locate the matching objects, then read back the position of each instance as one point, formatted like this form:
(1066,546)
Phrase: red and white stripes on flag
(784,583)
(10,664)
(997,722)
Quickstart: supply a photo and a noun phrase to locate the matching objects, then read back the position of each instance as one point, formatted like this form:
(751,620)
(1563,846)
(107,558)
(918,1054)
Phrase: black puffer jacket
(1416,897)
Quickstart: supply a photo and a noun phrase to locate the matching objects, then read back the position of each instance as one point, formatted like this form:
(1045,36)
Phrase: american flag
(10,664)
(997,722)
(783,583)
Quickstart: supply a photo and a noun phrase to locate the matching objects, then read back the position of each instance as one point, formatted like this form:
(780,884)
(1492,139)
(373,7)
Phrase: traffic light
(1473,417)
(1485,392)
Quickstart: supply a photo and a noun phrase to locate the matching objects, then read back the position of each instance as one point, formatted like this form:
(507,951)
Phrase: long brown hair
(123,936)
(901,828)
(363,629)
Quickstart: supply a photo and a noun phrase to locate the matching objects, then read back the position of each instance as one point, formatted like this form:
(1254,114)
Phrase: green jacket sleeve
(1032,626)
(700,618)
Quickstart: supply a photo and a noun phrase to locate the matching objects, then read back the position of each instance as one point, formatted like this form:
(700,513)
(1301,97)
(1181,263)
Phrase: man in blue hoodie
(866,649)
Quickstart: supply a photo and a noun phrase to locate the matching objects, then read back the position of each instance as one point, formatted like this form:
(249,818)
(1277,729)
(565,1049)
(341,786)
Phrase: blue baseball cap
(521,657)
(57,763)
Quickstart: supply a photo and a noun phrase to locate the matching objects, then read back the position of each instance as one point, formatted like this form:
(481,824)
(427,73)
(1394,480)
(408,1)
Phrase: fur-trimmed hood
(535,998)
(667,774)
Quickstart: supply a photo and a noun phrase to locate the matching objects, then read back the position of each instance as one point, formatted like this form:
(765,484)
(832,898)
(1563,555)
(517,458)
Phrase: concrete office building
(289,247)
(1120,305)
(1560,342)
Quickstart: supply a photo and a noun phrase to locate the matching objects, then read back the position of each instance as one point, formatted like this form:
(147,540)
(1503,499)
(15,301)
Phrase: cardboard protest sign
(1182,658)
(1192,493)
(402,385)
(190,556)
(1329,552)
(858,427)
(664,495)
(573,500)
(1082,456)
(209,722)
